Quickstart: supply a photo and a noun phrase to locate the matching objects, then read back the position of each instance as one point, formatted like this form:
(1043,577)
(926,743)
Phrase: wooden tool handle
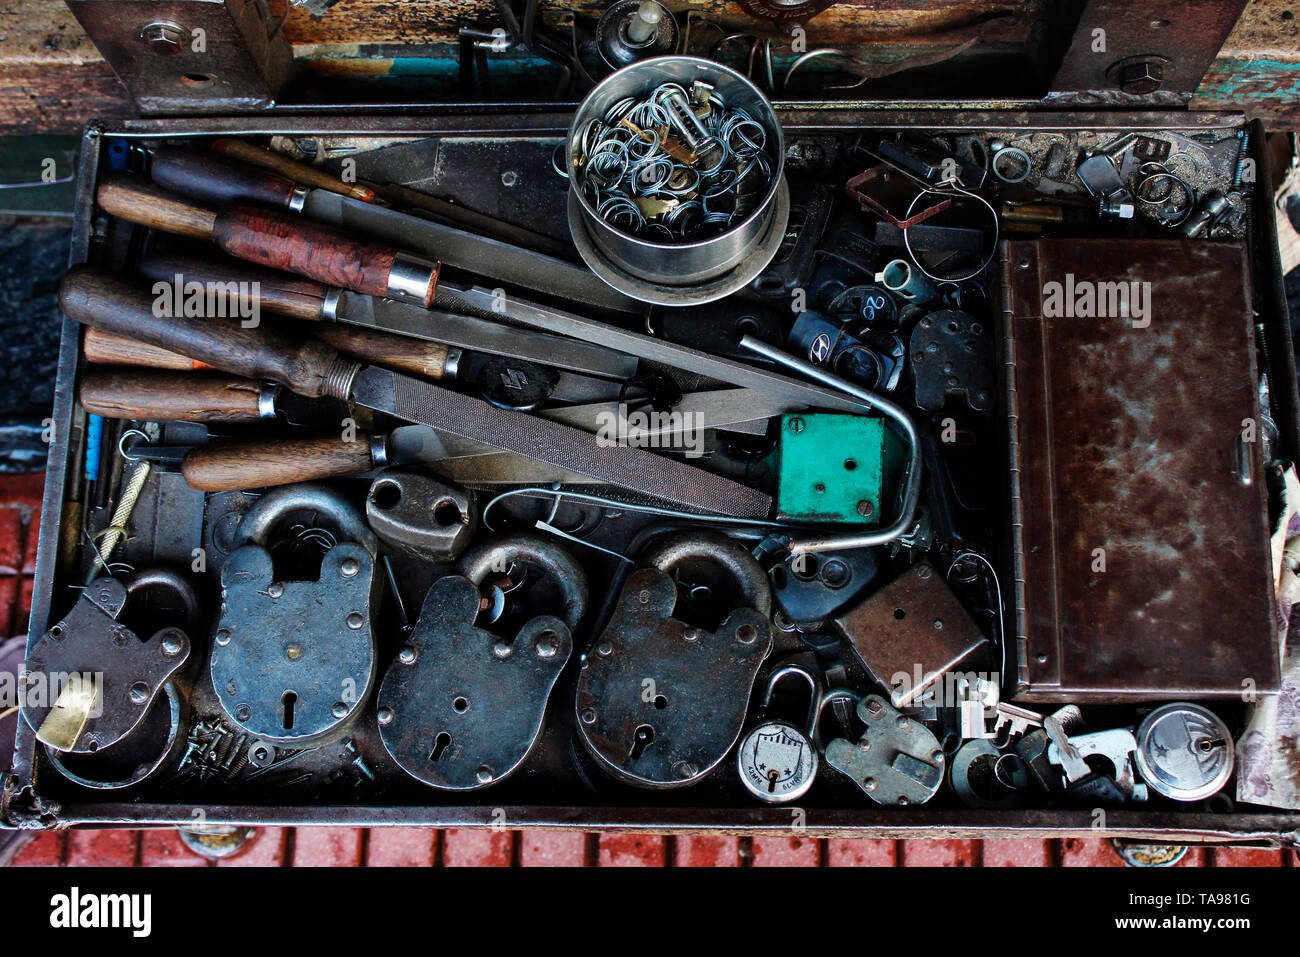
(112,349)
(256,463)
(102,301)
(171,396)
(278,292)
(298,172)
(136,201)
(210,178)
(427,360)
(328,255)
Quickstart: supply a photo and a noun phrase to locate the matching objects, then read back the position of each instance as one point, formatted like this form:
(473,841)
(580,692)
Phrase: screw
(243,712)
(923,571)
(865,508)
(139,692)
(164,38)
(588,715)
(1142,77)
(797,424)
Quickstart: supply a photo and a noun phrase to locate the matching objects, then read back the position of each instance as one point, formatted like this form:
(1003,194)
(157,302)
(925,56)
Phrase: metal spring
(623,163)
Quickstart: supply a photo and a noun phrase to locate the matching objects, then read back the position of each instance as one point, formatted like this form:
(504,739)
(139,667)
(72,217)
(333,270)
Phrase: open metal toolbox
(558,785)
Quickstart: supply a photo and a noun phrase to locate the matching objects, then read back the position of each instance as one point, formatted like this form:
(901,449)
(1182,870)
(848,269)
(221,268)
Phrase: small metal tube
(912,493)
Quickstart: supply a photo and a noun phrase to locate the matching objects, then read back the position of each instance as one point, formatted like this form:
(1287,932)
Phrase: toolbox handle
(97,299)
(166,396)
(278,292)
(211,178)
(278,240)
(257,463)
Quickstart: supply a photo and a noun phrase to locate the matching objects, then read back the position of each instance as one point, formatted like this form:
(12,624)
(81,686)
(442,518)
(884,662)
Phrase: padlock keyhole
(288,701)
(440,744)
(641,739)
(772,777)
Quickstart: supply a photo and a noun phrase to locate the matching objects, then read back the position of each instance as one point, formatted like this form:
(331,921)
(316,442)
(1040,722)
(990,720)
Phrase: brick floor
(20,498)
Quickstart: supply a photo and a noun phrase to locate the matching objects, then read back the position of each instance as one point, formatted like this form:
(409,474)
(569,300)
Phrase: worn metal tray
(546,792)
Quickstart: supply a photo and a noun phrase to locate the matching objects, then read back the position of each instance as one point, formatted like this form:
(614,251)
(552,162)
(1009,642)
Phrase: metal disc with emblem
(778,761)
(1184,751)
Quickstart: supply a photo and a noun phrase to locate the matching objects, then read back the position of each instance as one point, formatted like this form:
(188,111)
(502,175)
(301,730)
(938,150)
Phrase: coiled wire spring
(674,166)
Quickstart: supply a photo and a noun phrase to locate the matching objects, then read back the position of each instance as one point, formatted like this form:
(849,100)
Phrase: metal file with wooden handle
(231,283)
(292,169)
(225,280)
(312,368)
(276,239)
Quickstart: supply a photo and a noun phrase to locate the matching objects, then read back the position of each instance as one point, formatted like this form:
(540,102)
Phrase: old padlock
(660,702)
(896,760)
(90,680)
(777,759)
(293,662)
(462,707)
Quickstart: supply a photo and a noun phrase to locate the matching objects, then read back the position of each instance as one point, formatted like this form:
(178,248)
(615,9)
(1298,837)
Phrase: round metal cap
(1184,752)
(777,762)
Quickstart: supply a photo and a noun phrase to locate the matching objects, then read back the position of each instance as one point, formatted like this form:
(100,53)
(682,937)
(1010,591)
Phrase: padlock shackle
(170,580)
(262,516)
(815,693)
(497,554)
(733,557)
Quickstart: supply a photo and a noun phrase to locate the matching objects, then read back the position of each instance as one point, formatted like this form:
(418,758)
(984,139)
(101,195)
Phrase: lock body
(660,702)
(90,680)
(777,760)
(461,707)
(293,662)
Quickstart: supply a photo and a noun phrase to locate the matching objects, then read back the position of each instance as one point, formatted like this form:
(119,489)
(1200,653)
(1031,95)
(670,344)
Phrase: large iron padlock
(293,662)
(660,702)
(90,680)
(461,707)
(777,760)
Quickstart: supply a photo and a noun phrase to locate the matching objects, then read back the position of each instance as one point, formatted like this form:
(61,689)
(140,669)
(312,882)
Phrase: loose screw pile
(675,166)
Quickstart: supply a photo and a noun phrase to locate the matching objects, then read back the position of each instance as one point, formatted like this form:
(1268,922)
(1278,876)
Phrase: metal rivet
(223,637)
(349,567)
(294,652)
(356,620)
(275,590)
(139,692)
(483,775)
(936,756)
(588,715)
(546,646)
(868,784)
(340,709)
(691,634)
(407,655)
(938,624)
(604,649)
(385,715)
(243,713)
(746,634)
(901,721)
(509,178)
(171,646)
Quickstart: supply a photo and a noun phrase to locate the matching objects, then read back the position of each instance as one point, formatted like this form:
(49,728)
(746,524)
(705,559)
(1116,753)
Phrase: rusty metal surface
(1177,40)
(913,626)
(1124,493)
(189,56)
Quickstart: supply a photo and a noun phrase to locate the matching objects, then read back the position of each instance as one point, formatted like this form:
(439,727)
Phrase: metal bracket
(190,56)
